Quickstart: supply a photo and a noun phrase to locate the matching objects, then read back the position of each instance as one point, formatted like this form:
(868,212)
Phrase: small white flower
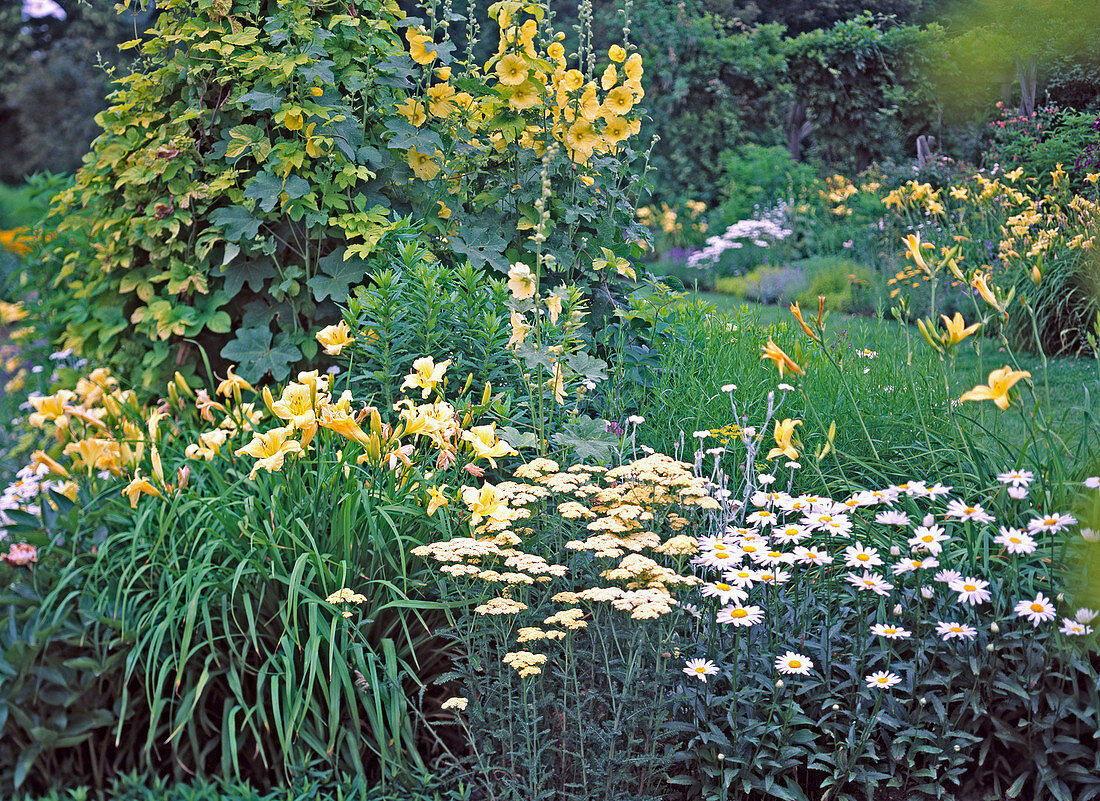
(636,419)
(954,630)
(1084,615)
(785,387)
(700,668)
(794,664)
(964,511)
(764,479)
(882,679)
(1073,628)
(729,387)
(892,517)
(1037,610)
(1089,535)
(971,590)
(1019,493)
(890,631)
(1052,522)
(1093,482)
(1016,478)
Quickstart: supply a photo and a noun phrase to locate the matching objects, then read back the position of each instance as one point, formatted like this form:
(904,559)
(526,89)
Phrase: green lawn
(1068,389)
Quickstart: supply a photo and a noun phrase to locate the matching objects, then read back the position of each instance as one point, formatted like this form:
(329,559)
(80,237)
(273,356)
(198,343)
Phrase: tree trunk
(1027,73)
(797,129)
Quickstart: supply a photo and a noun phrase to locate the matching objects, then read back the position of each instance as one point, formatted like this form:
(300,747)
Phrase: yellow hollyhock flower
(609,78)
(553,306)
(782,360)
(520,329)
(334,338)
(524,96)
(957,330)
(423,165)
(418,41)
(1000,382)
(557,384)
(633,67)
(616,53)
(426,375)
(413,111)
(512,69)
(270,449)
(521,281)
(783,432)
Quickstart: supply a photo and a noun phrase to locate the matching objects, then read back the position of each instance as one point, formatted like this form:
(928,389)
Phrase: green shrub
(245,182)
(773,285)
(846,286)
(755,177)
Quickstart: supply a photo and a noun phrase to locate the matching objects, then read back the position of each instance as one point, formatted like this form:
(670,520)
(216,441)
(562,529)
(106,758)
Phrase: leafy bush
(755,177)
(775,285)
(252,177)
(1040,143)
(845,285)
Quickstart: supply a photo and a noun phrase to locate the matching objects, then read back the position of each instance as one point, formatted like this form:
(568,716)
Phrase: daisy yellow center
(1036,607)
(766,576)
(749,548)
(890,630)
(1050,521)
(926,538)
(970,510)
(1015,540)
(955,628)
(739,613)
(969,587)
(723,587)
(869,582)
(794,663)
(775,554)
(721,555)
(882,680)
(863,557)
(700,670)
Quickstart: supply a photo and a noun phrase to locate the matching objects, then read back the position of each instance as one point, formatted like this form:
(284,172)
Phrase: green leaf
(257,355)
(251,271)
(336,276)
(261,101)
(481,246)
(588,438)
(265,188)
(236,223)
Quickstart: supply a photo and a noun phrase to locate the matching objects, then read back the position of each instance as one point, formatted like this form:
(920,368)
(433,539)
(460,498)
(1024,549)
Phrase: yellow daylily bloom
(797,312)
(140,486)
(95,453)
(426,375)
(782,360)
(486,445)
(557,384)
(42,458)
(436,499)
(270,449)
(337,419)
(980,282)
(1000,382)
(296,406)
(233,383)
(783,432)
(486,503)
(50,407)
(334,338)
(957,329)
(913,251)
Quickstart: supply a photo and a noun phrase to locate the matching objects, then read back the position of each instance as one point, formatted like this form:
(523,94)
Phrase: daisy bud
(895,550)
(779,684)
(1089,535)
(957,748)
(929,519)
(924,702)
(988,647)
(994,628)
(721,757)
(836,707)
(1060,597)
(897,609)
(927,593)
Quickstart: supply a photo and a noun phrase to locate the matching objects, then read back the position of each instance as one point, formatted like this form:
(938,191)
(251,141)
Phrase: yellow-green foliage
(252,170)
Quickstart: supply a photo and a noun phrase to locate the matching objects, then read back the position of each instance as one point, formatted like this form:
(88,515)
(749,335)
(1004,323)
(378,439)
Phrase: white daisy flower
(1073,628)
(773,558)
(811,556)
(1084,615)
(1016,478)
(964,511)
(792,664)
(882,679)
(724,592)
(740,616)
(1015,541)
(953,630)
(1037,610)
(1019,493)
(860,557)
(770,576)
(764,479)
(947,576)
(1093,482)
(928,538)
(892,517)
(700,668)
(971,590)
(890,631)
(785,535)
(870,582)
(1053,522)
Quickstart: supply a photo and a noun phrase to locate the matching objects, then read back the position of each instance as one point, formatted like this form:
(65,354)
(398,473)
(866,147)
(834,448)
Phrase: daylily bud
(183,477)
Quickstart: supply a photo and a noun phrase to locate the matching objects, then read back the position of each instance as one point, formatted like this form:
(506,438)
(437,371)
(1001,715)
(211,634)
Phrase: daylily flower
(426,375)
(783,432)
(233,383)
(140,486)
(1000,382)
(334,338)
(913,251)
(483,439)
(957,329)
(270,449)
(781,359)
